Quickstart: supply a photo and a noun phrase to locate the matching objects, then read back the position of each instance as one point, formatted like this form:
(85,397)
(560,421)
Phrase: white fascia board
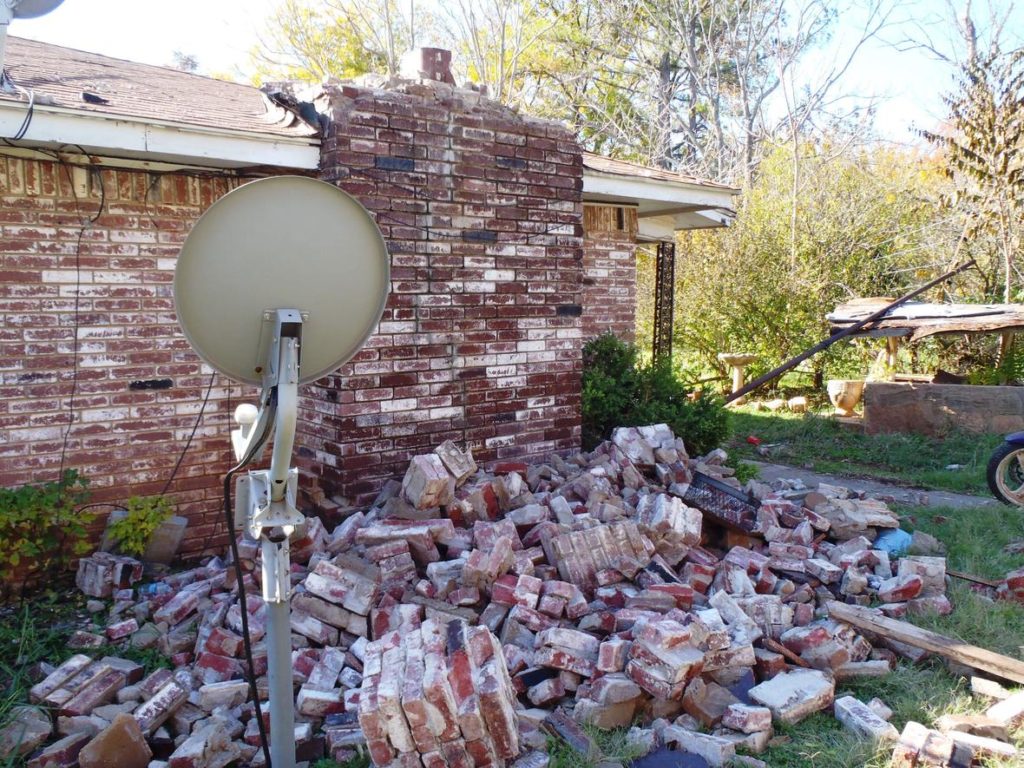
(663,193)
(665,227)
(165,142)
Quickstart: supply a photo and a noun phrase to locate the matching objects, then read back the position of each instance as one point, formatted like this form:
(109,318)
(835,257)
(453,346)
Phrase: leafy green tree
(867,226)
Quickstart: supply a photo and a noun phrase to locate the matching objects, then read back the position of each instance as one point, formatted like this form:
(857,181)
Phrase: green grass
(612,745)
(817,442)
(30,632)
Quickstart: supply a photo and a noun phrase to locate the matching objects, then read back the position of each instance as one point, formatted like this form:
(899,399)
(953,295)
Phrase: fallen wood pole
(848,331)
(972,656)
(971,578)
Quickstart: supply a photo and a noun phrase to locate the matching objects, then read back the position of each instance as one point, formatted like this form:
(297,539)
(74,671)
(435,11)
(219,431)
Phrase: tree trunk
(664,158)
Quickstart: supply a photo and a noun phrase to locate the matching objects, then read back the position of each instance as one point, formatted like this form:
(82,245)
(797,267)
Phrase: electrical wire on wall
(86,224)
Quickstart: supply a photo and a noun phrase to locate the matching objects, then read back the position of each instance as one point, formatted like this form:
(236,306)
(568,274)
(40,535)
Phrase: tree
(984,153)
(495,37)
(186,62)
(312,41)
(867,228)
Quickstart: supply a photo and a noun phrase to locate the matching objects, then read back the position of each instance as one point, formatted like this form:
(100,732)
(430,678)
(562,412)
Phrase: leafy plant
(143,515)
(361,760)
(41,527)
(620,392)
(746,471)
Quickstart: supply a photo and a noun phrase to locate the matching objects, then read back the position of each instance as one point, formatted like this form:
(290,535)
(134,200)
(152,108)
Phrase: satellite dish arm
(287,417)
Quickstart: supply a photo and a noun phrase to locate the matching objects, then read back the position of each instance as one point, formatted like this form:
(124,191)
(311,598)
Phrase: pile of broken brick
(469,615)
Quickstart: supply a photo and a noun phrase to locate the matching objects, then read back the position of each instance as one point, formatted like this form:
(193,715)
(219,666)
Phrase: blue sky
(905,86)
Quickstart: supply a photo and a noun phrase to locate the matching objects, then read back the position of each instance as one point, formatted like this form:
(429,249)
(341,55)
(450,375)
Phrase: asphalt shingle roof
(59,76)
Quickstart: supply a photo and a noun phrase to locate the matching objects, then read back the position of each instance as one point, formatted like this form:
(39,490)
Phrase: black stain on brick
(569,310)
(394,163)
(509,162)
(152,384)
(473,373)
(480,235)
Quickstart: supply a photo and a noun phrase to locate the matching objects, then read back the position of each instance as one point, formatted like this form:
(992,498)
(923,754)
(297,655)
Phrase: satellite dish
(29,9)
(281,242)
(280,282)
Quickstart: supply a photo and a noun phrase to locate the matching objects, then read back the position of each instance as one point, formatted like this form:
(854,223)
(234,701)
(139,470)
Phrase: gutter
(162,141)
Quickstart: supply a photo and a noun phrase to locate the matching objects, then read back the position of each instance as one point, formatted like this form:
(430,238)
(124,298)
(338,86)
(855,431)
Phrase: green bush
(620,392)
(131,534)
(41,528)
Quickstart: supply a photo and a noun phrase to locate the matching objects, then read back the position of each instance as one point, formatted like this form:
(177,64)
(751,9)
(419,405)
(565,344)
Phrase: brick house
(509,247)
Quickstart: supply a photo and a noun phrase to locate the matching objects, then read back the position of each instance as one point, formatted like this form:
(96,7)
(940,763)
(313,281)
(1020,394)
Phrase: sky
(903,86)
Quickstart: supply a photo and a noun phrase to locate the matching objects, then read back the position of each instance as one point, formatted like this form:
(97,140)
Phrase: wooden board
(972,656)
(610,218)
(917,321)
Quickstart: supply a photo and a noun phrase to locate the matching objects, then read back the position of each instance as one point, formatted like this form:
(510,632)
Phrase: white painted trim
(611,186)
(136,138)
(665,227)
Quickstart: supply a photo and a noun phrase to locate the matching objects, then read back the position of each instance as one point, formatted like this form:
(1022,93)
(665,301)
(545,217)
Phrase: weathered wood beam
(969,655)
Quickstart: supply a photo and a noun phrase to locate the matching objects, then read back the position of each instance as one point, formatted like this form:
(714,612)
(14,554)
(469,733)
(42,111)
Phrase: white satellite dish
(30,9)
(280,282)
(281,242)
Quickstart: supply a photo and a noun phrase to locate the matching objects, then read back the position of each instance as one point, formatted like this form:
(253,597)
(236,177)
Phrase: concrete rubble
(471,612)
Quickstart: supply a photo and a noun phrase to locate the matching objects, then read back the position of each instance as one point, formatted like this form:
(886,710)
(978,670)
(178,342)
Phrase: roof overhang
(166,142)
(663,207)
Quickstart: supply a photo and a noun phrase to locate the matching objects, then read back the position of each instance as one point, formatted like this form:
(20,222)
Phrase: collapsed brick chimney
(427,64)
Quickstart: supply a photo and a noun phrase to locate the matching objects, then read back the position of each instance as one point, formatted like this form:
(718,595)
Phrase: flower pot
(845,394)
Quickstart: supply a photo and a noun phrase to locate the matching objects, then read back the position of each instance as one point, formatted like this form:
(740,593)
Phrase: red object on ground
(753,440)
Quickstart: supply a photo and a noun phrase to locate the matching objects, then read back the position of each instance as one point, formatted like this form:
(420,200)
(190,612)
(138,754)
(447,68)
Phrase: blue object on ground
(895,541)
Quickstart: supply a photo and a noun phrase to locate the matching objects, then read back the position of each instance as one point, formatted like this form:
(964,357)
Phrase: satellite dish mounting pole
(266,499)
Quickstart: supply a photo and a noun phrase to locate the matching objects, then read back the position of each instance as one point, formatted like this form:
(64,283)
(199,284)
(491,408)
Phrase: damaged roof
(78,80)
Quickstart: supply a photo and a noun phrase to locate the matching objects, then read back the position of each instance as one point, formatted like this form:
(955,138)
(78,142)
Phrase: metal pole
(848,331)
(279,652)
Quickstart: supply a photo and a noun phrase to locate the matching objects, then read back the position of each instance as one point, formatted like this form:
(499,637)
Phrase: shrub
(41,528)
(131,534)
(620,392)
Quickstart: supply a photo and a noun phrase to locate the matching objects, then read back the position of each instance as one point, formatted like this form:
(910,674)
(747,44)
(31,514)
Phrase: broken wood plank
(963,653)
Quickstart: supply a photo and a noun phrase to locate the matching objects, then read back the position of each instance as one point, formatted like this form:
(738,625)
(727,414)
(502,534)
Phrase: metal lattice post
(664,300)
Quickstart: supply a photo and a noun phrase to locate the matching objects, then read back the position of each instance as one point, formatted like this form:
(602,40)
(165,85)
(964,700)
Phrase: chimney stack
(427,64)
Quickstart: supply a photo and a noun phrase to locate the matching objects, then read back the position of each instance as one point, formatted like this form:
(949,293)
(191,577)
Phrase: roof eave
(692,206)
(637,189)
(120,136)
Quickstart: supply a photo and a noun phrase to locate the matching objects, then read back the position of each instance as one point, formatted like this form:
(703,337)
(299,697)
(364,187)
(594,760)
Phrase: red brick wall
(609,284)
(124,240)
(480,340)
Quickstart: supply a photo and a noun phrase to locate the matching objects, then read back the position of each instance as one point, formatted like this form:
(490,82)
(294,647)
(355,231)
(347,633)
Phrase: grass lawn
(815,441)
